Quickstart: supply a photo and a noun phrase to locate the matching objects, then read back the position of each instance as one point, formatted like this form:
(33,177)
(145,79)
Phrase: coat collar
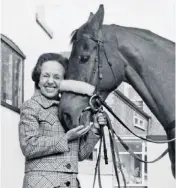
(43,101)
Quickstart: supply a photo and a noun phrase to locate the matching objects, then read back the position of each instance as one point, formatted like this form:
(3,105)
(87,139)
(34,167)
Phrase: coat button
(67,183)
(68,166)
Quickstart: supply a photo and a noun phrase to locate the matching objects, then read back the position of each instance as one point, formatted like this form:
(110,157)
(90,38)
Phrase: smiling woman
(51,152)
(50,78)
(43,63)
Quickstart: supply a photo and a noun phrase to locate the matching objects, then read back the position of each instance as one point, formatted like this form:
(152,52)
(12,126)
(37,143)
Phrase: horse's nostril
(67,119)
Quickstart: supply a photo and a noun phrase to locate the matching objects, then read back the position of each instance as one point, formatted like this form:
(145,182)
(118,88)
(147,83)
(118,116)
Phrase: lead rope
(97,164)
(115,148)
(135,156)
(114,158)
(97,167)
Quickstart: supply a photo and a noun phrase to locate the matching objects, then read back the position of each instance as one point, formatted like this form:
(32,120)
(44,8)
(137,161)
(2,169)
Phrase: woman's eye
(84,59)
(57,77)
(45,75)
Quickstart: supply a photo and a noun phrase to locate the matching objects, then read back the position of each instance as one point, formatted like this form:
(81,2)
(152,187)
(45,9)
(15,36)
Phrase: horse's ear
(97,20)
(90,17)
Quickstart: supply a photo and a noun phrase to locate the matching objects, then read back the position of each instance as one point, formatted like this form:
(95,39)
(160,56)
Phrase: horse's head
(90,62)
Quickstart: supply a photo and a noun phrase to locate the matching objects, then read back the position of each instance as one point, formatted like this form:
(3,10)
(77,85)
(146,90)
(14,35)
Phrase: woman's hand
(99,119)
(77,132)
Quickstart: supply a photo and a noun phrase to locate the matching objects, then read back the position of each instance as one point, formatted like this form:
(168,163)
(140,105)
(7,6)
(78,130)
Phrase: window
(12,70)
(135,172)
(138,122)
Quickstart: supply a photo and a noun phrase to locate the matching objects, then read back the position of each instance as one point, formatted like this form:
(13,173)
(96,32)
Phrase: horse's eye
(84,58)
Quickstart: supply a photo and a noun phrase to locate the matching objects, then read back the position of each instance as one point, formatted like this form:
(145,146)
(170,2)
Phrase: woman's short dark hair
(44,58)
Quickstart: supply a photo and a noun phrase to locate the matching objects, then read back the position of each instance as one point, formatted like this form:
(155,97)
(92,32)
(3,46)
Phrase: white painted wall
(12,160)
(159,173)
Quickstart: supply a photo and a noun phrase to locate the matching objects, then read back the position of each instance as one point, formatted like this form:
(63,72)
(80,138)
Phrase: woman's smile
(51,75)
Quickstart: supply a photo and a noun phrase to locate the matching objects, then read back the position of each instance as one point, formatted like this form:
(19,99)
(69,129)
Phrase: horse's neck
(150,68)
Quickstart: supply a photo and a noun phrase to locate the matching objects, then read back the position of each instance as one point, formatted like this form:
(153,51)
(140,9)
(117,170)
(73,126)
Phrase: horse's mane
(147,35)
(142,33)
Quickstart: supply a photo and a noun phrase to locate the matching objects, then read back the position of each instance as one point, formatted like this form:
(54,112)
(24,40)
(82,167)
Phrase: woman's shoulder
(30,104)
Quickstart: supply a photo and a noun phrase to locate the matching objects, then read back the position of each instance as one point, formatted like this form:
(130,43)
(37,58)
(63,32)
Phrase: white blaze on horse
(106,55)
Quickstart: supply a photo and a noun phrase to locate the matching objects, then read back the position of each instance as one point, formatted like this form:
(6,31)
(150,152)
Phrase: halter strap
(93,38)
(99,44)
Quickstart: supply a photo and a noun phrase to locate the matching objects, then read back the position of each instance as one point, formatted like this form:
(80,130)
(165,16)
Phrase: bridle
(100,44)
(100,101)
(96,104)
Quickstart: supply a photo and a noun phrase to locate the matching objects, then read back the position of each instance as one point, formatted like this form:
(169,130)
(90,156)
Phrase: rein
(103,103)
(113,144)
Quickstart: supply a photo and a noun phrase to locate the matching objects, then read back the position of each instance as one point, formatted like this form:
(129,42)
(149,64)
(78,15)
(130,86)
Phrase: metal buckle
(93,108)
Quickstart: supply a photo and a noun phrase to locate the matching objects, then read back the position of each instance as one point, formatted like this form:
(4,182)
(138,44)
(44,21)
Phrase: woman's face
(51,75)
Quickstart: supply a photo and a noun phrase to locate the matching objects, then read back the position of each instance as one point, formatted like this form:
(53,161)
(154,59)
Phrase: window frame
(14,49)
(137,125)
(143,153)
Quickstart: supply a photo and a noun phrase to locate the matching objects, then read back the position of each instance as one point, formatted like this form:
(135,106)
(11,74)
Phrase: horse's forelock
(83,29)
(74,36)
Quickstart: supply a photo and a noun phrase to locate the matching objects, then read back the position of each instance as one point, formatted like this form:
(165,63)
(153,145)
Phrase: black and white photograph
(88,93)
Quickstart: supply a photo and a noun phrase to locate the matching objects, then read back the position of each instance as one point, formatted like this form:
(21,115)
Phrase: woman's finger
(84,130)
(96,125)
(95,118)
(100,120)
(78,128)
(100,114)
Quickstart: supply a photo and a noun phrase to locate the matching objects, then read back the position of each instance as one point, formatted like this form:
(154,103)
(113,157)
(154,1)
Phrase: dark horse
(137,56)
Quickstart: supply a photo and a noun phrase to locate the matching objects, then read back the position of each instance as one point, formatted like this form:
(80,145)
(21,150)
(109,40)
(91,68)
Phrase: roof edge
(10,43)
(130,103)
